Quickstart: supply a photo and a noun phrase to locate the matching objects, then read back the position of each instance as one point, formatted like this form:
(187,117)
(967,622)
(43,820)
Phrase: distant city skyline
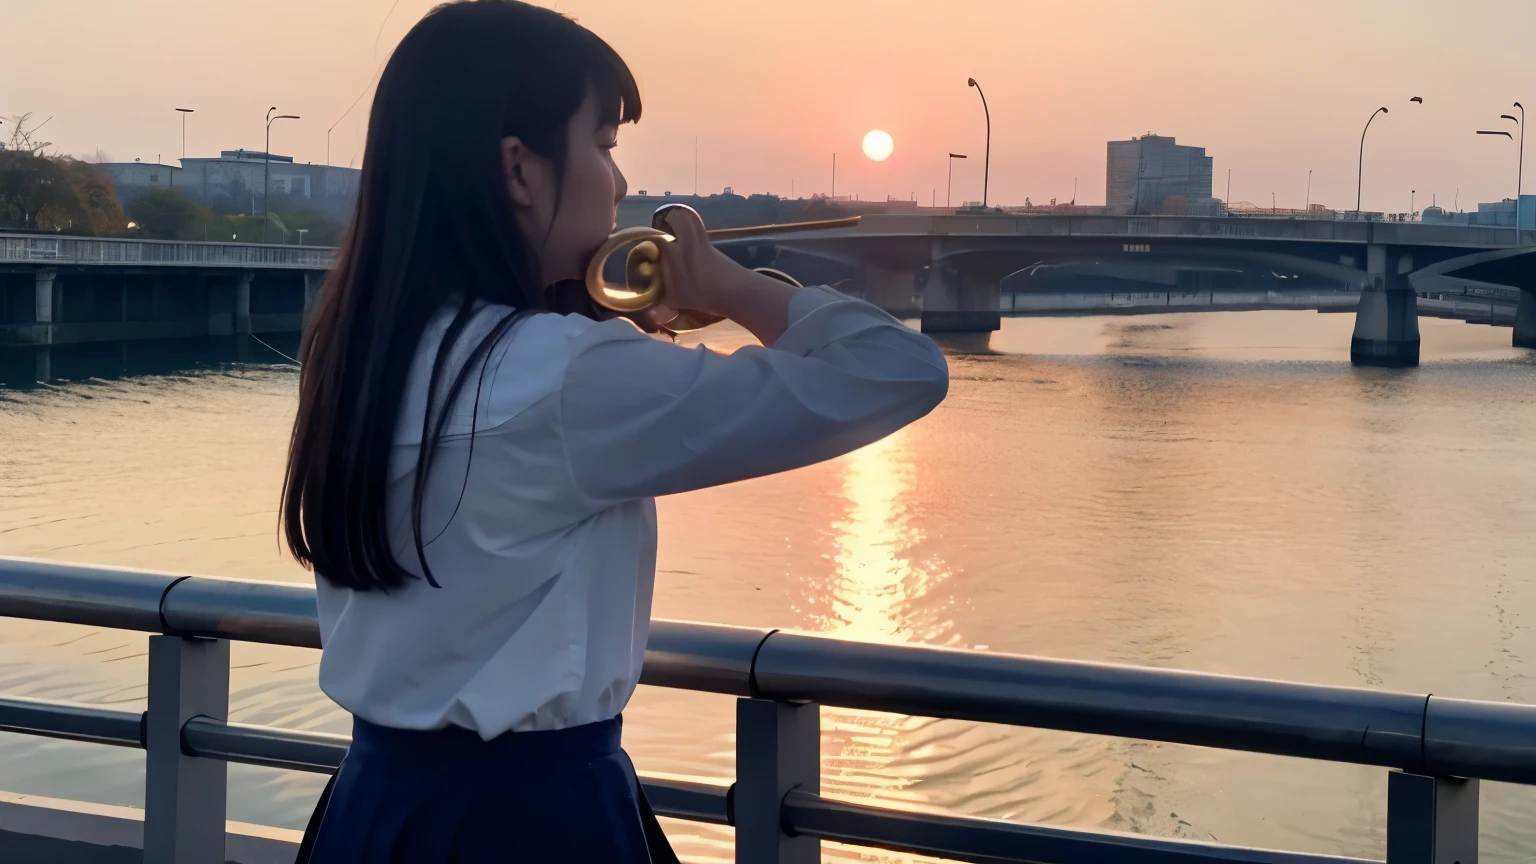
(1271,90)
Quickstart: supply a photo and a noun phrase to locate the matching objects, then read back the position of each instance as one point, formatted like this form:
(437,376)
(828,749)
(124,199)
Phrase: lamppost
(1517,176)
(266,168)
(184,112)
(986,171)
(951,185)
(1360,170)
(1520,168)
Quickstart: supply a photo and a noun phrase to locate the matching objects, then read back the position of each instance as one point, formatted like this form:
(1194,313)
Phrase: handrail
(1433,740)
(961,838)
(1410,731)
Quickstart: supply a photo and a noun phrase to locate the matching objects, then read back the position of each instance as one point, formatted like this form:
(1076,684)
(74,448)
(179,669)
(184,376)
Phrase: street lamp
(1520,168)
(951,185)
(1517,180)
(1360,170)
(986,172)
(266,168)
(184,112)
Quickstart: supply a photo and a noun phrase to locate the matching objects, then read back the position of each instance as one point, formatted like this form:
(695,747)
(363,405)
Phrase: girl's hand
(703,278)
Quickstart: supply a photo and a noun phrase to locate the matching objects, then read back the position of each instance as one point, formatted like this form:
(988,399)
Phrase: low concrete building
(234,182)
(1499,214)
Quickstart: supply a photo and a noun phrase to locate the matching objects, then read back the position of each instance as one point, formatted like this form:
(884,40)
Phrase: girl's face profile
(564,219)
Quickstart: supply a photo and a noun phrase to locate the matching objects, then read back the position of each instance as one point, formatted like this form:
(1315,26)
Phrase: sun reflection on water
(880,591)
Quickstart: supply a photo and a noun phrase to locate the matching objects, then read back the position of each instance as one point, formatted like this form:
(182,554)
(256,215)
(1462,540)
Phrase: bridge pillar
(1525,317)
(47,301)
(221,305)
(313,280)
(954,304)
(1387,322)
(894,290)
(243,301)
(43,363)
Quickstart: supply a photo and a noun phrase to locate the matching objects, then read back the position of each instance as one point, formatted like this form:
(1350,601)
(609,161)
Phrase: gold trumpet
(645,271)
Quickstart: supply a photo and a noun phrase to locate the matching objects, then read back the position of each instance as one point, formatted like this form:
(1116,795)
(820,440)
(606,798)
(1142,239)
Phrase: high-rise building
(1154,174)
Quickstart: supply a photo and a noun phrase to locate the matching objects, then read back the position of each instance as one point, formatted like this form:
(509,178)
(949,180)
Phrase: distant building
(1155,174)
(1498,214)
(233,180)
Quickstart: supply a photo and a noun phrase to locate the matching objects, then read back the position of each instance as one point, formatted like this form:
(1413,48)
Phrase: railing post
(184,795)
(778,748)
(1431,820)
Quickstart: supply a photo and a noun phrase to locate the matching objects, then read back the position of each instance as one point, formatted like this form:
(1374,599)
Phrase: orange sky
(1271,88)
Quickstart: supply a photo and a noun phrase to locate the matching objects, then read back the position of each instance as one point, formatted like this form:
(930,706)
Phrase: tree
(51,193)
(294,214)
(23,138)
(165,213)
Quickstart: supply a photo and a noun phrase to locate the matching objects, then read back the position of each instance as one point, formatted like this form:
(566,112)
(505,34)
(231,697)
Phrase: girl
(473,466)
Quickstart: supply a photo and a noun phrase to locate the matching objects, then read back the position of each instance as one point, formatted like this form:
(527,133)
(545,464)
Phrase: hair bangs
(617,92)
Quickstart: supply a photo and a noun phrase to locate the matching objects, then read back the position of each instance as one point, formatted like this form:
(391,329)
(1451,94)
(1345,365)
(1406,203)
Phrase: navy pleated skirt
(447,797)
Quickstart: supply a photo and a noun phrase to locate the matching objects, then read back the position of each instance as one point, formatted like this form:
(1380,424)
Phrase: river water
(1210,491)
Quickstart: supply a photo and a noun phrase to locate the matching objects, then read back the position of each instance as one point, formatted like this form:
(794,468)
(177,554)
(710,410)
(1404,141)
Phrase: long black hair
(433,225)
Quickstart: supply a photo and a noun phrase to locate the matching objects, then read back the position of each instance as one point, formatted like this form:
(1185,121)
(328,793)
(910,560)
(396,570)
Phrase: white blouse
(546,547)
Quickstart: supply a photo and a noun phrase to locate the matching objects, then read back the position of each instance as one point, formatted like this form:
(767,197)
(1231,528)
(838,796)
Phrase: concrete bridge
(60,290)
(947,270)
(956,264)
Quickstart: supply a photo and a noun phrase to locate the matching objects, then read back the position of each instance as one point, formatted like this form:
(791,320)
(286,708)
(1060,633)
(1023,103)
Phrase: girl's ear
(516,170)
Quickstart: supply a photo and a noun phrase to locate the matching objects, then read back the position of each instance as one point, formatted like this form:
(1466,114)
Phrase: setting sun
(878,145)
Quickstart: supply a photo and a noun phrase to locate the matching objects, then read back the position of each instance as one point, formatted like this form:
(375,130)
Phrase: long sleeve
(643,418)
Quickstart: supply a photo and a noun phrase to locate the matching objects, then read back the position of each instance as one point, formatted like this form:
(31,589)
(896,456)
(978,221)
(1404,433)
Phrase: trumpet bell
(644,270)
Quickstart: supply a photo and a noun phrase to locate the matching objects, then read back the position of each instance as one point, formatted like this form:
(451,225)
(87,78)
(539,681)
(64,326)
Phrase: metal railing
(1436,748)
(85,251)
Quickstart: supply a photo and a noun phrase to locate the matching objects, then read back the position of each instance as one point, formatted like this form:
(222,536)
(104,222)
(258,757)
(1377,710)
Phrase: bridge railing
(85,251)
(1434,748)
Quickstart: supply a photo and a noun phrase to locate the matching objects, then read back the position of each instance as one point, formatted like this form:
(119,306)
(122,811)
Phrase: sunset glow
(1103,71)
